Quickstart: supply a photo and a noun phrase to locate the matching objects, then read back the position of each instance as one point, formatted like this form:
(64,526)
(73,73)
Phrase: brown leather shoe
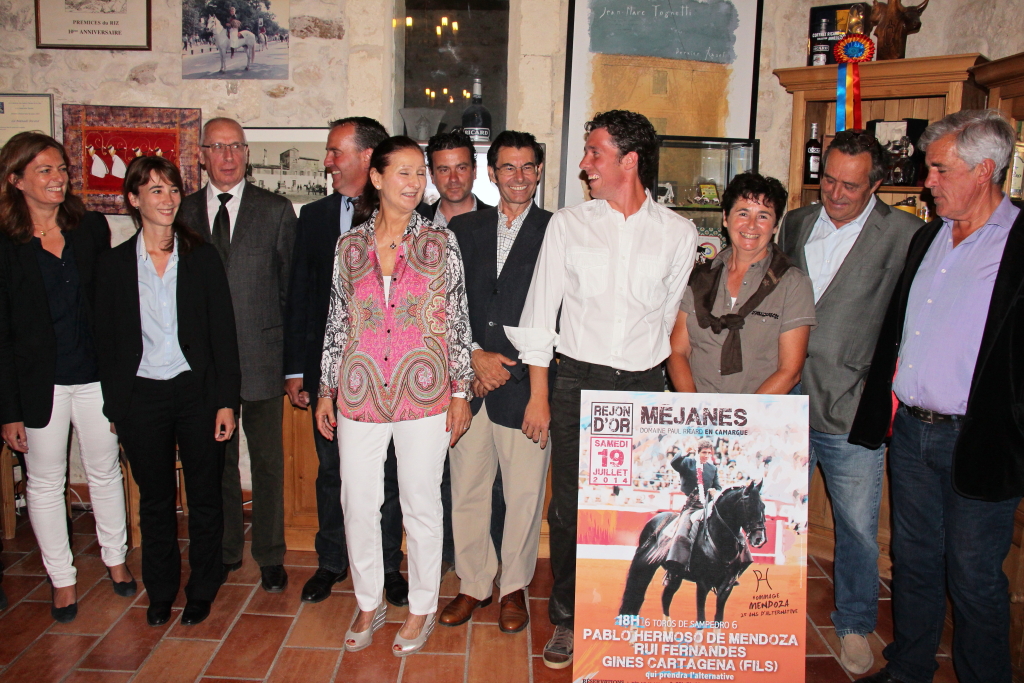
(460,610)
(514,616)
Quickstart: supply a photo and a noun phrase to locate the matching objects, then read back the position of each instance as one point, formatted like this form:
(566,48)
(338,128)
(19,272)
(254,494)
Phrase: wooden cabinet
(922,88)
(300,466)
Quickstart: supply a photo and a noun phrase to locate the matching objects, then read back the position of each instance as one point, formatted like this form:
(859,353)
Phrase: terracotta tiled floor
(255,636)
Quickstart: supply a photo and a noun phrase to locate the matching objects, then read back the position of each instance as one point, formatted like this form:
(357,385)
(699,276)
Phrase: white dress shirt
(158,307)
(618,281)
(828,246)
(213,205)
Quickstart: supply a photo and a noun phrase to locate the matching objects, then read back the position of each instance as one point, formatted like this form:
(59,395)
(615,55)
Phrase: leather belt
(929,416)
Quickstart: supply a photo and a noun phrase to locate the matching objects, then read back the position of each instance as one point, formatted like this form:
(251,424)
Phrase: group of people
(425,337)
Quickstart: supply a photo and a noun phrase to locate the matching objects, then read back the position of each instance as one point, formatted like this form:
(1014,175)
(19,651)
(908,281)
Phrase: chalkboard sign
(671,29)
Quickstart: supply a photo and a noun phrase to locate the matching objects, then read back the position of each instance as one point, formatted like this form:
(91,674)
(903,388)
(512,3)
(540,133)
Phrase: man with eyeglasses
(254,231)
(852,246)
(611,273)
(499,249)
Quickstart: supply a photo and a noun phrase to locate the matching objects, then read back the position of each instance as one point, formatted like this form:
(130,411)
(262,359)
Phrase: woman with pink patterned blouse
(397,362)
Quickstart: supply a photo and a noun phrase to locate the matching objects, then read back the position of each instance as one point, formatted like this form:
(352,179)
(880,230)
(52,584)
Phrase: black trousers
(164,413)
(573,377)
(261,421)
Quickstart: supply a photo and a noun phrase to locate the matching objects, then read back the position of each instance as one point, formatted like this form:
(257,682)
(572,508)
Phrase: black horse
(718,557)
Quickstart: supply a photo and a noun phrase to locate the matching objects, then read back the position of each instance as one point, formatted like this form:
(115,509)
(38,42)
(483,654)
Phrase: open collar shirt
(158,305)
(946,314)
(617,280)
(828,246)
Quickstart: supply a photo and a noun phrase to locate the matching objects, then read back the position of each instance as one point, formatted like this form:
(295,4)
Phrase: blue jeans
(853,475)
(942,540)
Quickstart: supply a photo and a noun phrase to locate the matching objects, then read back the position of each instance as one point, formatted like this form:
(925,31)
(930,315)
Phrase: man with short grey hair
(254,232)
(852,246)
(956,455)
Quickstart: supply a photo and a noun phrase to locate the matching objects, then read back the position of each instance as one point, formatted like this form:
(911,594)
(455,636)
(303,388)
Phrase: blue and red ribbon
(849,52)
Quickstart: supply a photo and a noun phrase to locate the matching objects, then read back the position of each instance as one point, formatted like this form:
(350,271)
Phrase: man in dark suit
(700,483)
(254,231)
(956,457)
(852,246)
(499,249)
(452,163)
(350,142)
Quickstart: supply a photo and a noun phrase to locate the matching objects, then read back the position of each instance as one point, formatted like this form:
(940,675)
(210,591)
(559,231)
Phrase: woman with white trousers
(397,360)
(49,379)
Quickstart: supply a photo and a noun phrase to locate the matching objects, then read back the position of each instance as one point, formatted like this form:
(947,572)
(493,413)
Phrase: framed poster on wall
(94,24)
(20,112)
(102,141)
(689,66)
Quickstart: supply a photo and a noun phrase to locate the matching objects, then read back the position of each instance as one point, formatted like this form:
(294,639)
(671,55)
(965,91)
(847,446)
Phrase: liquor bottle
(476,120)
(821,47)
(812,158)
(1016,184)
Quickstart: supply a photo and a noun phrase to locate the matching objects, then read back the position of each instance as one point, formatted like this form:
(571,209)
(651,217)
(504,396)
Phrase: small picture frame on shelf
(94,24)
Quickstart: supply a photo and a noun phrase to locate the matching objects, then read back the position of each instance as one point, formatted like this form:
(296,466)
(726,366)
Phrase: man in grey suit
(853,247)
(254,231)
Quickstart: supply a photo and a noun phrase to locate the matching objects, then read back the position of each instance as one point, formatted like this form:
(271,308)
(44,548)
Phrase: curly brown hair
(16,155)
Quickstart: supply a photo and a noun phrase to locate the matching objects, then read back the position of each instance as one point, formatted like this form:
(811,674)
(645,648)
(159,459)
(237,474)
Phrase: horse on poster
(719,555)
(246,40)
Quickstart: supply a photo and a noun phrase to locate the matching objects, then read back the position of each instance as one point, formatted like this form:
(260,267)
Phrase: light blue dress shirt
(158,307)
(946,314)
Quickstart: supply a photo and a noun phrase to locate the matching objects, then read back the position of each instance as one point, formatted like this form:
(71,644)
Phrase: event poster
(688,499)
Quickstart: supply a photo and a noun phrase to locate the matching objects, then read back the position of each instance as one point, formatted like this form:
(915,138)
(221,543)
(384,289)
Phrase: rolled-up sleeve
(535,338)
(798,309)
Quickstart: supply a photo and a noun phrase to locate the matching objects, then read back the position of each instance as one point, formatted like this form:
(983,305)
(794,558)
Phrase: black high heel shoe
(62,615)
(125,589)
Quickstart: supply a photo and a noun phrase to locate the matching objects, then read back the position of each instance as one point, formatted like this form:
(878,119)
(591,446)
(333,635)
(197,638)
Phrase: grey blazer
(851,310)
(257,268)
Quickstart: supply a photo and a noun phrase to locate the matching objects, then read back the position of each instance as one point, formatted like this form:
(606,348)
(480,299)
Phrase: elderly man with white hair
(957,452)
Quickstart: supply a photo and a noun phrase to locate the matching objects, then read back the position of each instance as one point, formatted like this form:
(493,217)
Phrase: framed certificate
(20,112)
(94,24)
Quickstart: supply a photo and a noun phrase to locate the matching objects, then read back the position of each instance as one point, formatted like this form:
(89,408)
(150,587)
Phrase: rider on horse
(700,482)
(234,26)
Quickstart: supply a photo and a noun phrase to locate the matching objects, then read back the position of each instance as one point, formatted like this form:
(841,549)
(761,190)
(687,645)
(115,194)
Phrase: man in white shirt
(616,266)
(853,247)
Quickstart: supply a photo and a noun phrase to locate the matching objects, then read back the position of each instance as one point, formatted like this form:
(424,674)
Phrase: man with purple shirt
(956,455)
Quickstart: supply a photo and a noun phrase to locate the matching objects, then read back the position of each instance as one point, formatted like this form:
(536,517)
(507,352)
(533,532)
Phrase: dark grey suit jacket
(851,310)
(258,266)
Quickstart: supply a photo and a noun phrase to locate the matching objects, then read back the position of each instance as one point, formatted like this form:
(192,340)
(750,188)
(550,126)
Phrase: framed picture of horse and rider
(234,39)
(691,537)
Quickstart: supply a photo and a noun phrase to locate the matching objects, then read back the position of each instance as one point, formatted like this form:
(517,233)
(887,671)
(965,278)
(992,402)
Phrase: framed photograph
(221,39)
(101,142)
(94,24)
(690,66)
(289,162)
(20,112)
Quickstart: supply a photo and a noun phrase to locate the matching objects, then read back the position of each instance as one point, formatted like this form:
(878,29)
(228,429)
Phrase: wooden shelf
(922,88)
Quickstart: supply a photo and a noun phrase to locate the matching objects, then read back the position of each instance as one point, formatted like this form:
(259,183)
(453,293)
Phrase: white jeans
(420,447)
(47,462)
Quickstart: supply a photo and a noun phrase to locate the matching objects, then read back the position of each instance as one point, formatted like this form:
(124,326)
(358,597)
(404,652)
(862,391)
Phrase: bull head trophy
(893,23)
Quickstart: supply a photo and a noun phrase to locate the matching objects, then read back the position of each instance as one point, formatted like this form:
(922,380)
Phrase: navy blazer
(28,347)
(686,466)
(988,459)
(498,301)
(309,290)
(206,326)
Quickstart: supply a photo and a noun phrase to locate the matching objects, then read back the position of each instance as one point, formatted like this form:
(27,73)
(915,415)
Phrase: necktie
(346,214)
(222,227)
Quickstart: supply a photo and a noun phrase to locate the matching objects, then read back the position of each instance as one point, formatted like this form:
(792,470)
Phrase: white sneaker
(856,656)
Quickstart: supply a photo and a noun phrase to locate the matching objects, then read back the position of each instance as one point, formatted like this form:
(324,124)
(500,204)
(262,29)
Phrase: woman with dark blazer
(49,376)
(169,368)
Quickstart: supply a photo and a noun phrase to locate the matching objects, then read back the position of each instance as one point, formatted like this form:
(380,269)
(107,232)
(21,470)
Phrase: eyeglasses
(220,148)
(510,170)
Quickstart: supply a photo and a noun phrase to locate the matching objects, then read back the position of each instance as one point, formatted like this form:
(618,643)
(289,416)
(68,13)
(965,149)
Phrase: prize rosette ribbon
(849,52)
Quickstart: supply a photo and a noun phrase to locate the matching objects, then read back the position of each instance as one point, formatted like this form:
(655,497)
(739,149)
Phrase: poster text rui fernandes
(692,538)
